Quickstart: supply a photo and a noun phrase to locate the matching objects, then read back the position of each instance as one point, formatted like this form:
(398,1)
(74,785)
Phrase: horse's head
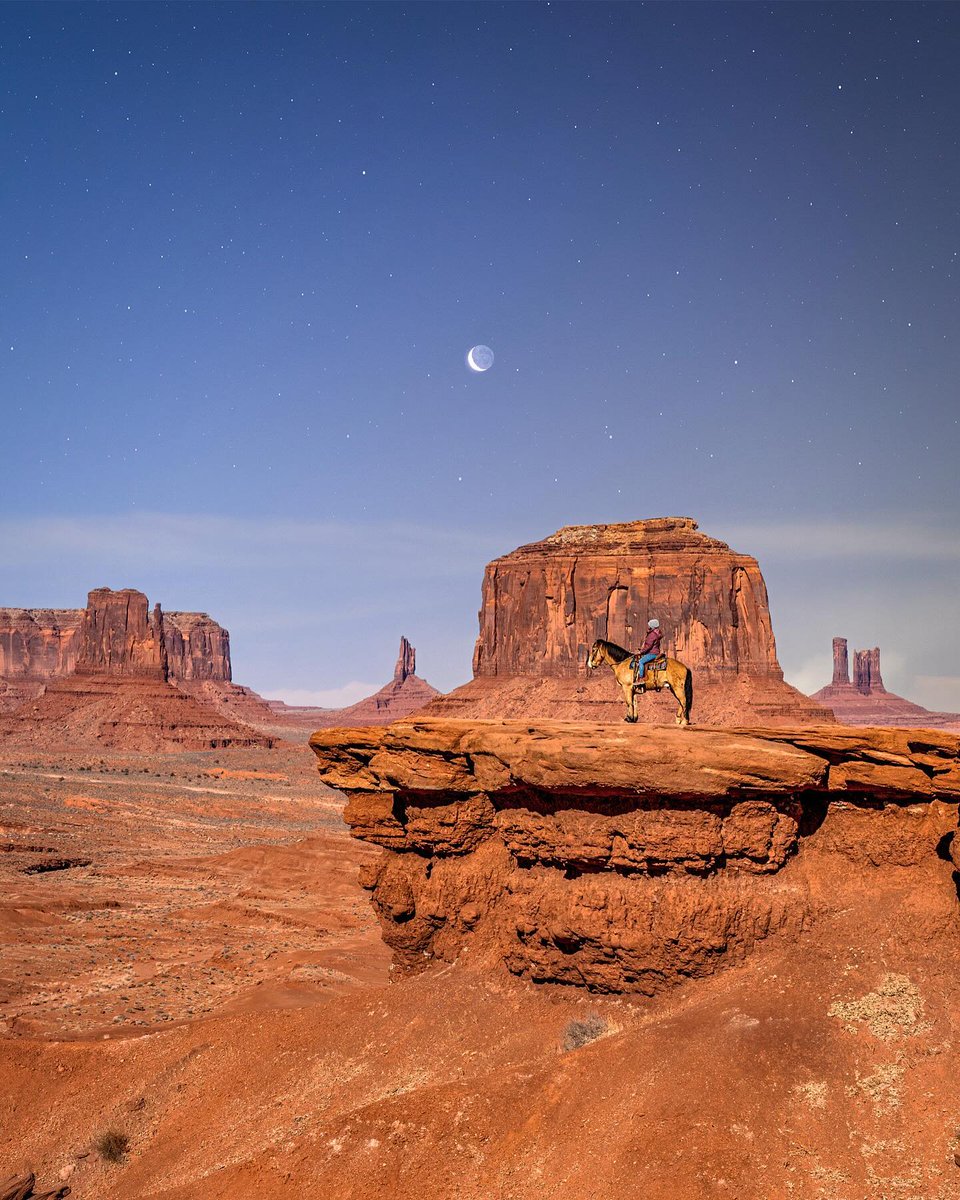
(596,655)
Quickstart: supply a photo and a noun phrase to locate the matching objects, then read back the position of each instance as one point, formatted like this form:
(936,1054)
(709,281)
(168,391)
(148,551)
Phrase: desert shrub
(112,1145)
(579,1033)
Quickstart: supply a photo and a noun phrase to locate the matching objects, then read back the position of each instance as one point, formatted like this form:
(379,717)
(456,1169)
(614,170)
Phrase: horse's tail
(688,692)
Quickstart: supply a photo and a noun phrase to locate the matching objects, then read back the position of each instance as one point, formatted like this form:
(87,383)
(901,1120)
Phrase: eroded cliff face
(198,648)
(120,636)
(40,644)
(627,860)
(544,605)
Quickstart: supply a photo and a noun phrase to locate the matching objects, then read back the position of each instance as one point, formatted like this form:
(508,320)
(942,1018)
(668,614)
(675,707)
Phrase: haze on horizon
(712,247)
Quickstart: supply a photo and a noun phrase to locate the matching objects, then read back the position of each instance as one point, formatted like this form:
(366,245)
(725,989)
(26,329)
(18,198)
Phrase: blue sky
(245,249)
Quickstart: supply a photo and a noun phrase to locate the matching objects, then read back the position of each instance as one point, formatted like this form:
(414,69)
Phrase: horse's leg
(630,697)
(680,692)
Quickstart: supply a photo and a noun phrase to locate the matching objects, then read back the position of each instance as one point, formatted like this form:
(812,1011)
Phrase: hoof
(631,720)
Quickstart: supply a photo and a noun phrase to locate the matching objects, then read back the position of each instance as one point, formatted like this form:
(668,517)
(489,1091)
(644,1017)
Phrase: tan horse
(675,676)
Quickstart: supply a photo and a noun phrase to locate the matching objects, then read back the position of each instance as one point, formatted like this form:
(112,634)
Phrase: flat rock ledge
(624,858)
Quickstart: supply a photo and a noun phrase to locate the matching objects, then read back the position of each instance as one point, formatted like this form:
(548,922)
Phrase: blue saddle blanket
(656,664)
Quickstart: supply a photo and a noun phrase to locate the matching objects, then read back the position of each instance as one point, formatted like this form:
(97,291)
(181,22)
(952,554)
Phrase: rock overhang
(627,859)
(580,757)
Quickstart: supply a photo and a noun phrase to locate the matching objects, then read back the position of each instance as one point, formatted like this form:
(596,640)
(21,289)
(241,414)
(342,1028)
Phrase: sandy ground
(211,985)
(140,891)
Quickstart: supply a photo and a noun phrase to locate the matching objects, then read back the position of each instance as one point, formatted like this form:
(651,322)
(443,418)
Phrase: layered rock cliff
(628,860)
(118,694)
(198,647)
(39,644)
(865,701)
(36,644)
(120,636)
(544,604)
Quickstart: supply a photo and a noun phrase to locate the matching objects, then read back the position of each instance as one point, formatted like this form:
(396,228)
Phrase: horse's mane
(617,653)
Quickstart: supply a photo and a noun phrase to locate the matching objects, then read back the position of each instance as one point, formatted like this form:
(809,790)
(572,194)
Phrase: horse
(674,675)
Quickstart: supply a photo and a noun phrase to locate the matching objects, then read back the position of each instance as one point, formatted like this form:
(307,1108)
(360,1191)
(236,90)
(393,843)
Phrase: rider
(650,648)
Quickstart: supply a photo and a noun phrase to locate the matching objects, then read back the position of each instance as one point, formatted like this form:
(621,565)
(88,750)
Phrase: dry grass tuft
(893,1011)
(112,1145)
(580,1033)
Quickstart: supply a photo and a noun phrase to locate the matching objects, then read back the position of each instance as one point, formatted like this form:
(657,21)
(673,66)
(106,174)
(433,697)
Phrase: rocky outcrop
(118,695)
(624,859)
(38,644)
(865,700)
(406,662)
(544,604)
(198,647)
(866,671)
(403,696)
(841,667)
(120,636)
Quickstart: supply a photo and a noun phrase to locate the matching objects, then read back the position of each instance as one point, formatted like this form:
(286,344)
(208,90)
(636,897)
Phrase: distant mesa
(105,675)
(117,636)
(41,644)
(544,604)
(864,700)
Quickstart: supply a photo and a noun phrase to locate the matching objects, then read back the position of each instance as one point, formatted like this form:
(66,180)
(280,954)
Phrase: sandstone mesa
(119,692)
(544,604)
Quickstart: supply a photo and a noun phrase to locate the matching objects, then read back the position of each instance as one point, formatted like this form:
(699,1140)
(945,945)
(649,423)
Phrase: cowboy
(650,649)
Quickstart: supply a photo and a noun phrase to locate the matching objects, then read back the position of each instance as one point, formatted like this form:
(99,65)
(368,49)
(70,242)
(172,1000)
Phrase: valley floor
(186,958)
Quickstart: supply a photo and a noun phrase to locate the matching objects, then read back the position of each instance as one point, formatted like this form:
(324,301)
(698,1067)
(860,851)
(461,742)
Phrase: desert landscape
(474,955)
(479,682)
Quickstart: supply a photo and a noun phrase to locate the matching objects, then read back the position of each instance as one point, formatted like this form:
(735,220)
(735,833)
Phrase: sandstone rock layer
(544,604)
(118,695)
(624,859)
(38,643)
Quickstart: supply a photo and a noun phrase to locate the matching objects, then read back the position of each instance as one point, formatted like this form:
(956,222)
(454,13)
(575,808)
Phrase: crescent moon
(482,363)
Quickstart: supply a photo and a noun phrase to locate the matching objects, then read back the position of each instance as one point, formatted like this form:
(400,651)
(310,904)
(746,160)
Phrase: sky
(244,250)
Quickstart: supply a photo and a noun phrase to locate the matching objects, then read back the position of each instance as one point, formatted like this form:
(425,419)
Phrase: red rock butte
(119,693)
(544,604)
(38,645)
(404,695)
(864,700)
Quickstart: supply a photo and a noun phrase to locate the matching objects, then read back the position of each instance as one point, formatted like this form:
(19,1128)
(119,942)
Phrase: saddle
(658,664)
